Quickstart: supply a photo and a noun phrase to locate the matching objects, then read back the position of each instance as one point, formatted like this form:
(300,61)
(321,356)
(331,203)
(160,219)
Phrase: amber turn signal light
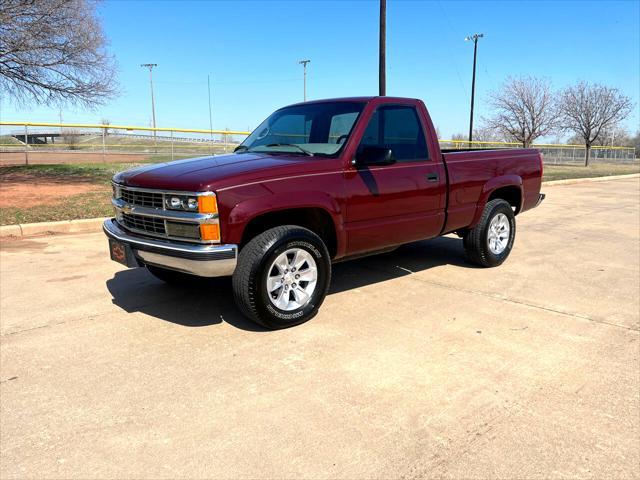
(210,231)
(207,204)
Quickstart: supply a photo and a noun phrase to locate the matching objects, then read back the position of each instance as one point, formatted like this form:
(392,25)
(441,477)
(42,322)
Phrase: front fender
(246,210)
(491,186)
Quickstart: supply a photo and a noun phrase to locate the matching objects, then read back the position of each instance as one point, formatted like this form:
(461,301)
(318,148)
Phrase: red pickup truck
(315,183)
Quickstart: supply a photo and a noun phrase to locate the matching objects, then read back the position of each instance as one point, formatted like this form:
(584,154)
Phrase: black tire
(476,240)
(172,277)
(250,276)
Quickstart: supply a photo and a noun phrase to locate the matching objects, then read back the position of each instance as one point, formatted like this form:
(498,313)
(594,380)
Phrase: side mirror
(373,155)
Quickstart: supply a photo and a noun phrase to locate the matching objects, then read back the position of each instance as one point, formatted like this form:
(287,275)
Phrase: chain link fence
(557,154)
(38,143)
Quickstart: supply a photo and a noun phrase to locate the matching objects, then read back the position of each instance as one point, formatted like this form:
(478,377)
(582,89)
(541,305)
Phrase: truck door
(398,203)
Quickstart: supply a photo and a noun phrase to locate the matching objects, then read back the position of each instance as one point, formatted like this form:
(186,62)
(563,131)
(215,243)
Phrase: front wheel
(282,277)
(489,243)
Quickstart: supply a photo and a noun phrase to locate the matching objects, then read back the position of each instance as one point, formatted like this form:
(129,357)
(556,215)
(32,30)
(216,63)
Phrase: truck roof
(352,99)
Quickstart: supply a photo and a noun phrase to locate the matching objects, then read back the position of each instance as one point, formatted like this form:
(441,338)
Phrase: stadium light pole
(304,66)
(382,50)
(473,38)
(153,106)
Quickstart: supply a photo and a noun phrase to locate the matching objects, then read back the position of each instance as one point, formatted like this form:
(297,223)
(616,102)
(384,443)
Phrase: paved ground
(418,365)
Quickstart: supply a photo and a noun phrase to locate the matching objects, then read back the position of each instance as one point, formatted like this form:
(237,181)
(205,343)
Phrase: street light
(473,38)
(304,65)
(153,107)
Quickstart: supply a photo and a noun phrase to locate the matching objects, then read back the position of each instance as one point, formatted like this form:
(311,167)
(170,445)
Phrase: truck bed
(474,173)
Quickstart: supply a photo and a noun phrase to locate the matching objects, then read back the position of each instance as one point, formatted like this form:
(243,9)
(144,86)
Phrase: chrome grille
(183,230)
(151,225)
(142,198)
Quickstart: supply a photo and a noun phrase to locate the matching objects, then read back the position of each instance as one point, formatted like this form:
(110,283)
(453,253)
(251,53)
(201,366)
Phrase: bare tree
(524,110)
(588,110)
(71,138)
(487,134)
(615,136)
(635,142)
(106,122)
(53,52)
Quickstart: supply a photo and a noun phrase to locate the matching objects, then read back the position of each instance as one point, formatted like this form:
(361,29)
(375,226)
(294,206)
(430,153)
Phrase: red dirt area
(19,190)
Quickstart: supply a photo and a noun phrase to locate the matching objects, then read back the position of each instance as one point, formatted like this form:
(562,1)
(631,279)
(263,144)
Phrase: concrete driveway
(418,365)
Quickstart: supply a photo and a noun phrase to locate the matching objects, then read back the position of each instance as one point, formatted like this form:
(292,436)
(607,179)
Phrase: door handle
(432,177)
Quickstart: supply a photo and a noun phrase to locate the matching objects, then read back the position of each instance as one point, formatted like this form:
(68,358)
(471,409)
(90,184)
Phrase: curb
(85,225)
(89,225)
(570,181)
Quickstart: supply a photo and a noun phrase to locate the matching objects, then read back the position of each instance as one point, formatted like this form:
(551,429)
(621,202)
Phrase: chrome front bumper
(196,259)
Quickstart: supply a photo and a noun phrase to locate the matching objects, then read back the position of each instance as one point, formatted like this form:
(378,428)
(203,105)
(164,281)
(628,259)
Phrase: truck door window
(397,127)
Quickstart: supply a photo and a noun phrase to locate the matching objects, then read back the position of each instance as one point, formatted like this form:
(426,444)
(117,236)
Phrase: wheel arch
(507,187)
(317,219)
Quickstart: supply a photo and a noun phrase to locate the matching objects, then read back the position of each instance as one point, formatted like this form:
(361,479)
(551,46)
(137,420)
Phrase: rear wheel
(282,277)
(489,243)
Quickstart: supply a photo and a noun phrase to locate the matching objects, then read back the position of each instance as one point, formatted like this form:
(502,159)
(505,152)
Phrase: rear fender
(491,186)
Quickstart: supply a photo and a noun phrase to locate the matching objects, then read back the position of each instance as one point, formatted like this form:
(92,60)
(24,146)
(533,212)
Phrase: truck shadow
(210,301)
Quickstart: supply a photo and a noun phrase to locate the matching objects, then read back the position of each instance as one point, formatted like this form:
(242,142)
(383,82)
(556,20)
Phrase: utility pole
(382,51)
(475,38)
(304,66)
(210,118)
(153,106)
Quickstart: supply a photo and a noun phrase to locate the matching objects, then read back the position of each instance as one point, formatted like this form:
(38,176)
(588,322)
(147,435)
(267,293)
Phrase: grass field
(39,193)
(562,172)
(118,143)
(9,140)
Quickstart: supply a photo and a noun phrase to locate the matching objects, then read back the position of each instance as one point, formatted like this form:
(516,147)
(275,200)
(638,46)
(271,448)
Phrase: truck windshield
(308,129)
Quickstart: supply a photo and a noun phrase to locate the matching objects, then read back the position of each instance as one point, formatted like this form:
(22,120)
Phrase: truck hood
(211,173)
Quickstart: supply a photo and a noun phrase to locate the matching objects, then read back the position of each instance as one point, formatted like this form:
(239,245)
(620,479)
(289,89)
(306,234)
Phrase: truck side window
(397,127)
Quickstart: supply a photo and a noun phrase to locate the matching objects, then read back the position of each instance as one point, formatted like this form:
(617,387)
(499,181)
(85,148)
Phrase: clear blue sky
(251,50)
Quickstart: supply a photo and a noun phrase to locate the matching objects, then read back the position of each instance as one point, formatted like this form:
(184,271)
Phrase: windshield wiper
(240,148)
(306,152)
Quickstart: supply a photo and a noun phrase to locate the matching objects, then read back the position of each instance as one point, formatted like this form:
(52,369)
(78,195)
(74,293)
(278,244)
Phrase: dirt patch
(24,191)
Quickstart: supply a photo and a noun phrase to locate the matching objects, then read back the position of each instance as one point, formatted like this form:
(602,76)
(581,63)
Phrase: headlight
(192,203)
(181,202)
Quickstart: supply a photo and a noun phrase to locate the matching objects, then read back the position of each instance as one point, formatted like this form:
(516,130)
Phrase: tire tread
(247,271)
(475,242)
